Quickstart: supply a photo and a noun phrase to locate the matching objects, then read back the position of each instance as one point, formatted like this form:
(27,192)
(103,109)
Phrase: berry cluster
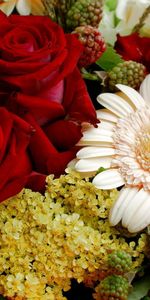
(120,261)
(129,73)
(84,12)
(93,42)
(113,287)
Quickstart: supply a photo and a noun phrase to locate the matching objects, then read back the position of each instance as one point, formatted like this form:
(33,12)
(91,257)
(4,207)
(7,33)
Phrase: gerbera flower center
(143,150)
(132,144)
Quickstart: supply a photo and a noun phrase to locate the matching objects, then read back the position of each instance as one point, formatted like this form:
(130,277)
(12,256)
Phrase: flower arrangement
(75,161)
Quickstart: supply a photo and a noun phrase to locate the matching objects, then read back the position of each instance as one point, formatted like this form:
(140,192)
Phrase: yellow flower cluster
(45,241)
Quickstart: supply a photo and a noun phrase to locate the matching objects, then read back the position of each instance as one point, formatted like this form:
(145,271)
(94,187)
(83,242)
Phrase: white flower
(130,12)
(127,14)
(121,145)
(107,26)
(24,7)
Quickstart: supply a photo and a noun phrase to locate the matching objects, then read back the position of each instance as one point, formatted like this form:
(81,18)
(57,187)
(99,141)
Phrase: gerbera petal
(97,138)
(142,216)
(72,164)
(89,152)
(102,143)
(108,179)
(102,136)
(98,131)
(106,125)
(7,7)
(145,89)
(133,207)
(92,164)
(136,99)
(105,114)
(115,103)
(117,211)
(23,7)
(141,226)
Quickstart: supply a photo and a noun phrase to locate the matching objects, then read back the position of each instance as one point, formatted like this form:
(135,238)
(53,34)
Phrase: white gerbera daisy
(121,145)
(24,7)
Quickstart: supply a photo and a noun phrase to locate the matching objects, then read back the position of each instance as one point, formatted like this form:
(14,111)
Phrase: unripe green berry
(113,287)
(129,73)
(120,261)
(89,12)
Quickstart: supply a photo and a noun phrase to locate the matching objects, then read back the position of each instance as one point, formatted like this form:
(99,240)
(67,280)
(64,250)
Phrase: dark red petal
(41,109)
(128,47)
(36,182)
(64,134)
(57,163)
(77,102)
(40,147)
(12,187)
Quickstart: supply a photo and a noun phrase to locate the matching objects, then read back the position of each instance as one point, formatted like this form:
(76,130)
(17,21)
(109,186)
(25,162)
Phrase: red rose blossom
(40,82)
(134,47)
(15,165)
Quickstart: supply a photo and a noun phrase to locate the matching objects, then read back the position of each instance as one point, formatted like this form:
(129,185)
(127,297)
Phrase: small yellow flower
(62,235)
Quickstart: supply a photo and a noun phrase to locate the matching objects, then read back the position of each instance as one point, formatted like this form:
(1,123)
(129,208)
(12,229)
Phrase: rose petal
(64,134)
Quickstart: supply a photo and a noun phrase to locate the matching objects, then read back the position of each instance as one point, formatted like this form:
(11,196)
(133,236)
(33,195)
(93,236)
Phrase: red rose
(134,47)
(40,82)
(14,162)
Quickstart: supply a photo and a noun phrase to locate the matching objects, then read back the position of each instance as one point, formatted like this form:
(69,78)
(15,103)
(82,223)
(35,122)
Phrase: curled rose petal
(15,165)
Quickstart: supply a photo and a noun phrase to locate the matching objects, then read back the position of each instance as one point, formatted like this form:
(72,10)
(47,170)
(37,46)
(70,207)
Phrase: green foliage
(111,4)
(140,288)
(109,59)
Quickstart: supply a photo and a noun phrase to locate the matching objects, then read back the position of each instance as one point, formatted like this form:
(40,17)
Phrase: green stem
(90,76)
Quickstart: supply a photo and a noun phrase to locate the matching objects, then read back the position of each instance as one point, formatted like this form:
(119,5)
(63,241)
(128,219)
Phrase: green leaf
(140,288)
(109,59)
(2,298)
(111,4)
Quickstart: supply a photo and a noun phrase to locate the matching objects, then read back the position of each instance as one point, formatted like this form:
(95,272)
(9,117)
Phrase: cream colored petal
(142,217)
(117,211)
(141,226)
(97,135)
(133,207)
(105,114)
(7,7)
(106,125)
(102,143)
(115,103)
(92,164)
(72,163)
(108,179)
(98,131)
(23,7)
(145,89)
(134,96)
(89,152)
(97,138)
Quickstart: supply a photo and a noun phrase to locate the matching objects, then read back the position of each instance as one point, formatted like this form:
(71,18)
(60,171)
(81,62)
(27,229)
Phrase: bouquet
(75,150)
